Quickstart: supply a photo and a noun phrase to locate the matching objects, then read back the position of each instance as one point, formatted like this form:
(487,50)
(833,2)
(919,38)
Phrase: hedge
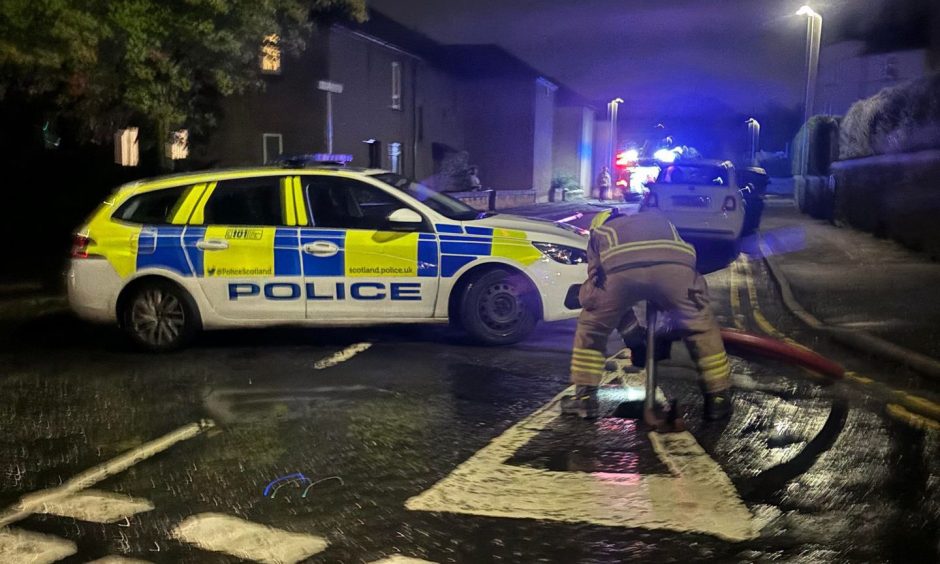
(823,145)
(898,119)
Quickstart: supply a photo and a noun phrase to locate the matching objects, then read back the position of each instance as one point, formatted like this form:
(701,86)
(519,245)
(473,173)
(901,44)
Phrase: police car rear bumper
(93,287)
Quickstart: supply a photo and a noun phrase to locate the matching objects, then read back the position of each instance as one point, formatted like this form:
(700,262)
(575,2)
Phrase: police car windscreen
(441,203)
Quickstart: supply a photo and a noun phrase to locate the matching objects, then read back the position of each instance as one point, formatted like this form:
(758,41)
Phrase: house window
(272,146)
(396,86)
(271,54)
(177,148)
(394,157)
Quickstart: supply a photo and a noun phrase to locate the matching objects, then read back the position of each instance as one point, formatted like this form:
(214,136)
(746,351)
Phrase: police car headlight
(561,253)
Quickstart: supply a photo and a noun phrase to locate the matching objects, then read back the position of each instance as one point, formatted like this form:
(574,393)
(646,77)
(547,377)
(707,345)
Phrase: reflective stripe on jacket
(641,239)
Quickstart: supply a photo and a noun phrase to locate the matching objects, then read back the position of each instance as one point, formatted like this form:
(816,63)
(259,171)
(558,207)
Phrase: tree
(165,63)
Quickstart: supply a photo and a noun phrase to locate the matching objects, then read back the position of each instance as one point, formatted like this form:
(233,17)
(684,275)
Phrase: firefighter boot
(717,405)
(583,403)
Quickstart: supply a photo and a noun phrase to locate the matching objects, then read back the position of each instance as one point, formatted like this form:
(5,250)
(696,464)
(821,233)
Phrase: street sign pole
(330,88)
(329,122)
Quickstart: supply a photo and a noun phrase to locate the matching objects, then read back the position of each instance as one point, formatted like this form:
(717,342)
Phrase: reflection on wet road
(422,446)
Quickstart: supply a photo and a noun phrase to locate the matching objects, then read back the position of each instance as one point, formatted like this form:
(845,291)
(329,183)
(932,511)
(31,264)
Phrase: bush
(899,119)
(564,183)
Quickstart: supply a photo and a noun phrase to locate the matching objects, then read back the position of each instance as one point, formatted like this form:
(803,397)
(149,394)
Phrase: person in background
(603,184)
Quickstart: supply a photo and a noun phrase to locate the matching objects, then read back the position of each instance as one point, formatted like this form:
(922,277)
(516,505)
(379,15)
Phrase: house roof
(465,61)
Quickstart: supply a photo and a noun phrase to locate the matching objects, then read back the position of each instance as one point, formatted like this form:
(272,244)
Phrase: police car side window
(152,208)
(251,201)
(348,204)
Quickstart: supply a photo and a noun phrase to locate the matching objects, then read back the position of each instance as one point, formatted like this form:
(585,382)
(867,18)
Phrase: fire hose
(781,350)
(670,422)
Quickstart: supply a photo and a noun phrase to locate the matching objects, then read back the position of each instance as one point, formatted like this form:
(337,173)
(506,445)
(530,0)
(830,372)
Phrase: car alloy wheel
(157,318)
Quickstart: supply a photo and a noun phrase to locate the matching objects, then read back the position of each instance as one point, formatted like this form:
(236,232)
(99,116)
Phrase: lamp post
(753,129)
(612,108)
(813,36)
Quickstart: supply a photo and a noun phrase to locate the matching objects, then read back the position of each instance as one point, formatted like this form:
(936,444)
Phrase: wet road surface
(407,442)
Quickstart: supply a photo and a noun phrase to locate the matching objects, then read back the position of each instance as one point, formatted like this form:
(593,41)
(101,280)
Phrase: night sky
(668,59)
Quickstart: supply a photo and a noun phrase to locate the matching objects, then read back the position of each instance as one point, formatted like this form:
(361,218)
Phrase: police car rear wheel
(497,308)
(159,317)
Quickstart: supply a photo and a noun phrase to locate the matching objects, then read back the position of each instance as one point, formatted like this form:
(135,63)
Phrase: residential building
(573,152)
(403,102)
(848,73)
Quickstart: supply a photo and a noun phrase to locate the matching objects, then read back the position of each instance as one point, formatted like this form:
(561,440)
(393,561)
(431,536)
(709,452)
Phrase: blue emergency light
(314,159)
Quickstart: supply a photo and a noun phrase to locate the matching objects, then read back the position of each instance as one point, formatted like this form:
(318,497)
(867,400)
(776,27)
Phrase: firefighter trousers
(673,288)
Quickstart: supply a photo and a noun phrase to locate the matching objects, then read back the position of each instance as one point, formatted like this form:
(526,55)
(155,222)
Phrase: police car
(323,246)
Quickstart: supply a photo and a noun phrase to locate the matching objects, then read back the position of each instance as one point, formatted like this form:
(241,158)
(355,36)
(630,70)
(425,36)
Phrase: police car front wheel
(498,308)
(159,316)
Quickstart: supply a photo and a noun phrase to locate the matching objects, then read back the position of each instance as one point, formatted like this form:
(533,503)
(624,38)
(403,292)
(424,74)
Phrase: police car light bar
(300,161)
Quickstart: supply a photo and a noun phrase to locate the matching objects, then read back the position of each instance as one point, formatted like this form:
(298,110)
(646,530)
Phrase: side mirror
(405,219)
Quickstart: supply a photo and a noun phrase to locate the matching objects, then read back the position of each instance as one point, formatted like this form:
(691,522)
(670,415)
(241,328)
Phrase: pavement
(851,281)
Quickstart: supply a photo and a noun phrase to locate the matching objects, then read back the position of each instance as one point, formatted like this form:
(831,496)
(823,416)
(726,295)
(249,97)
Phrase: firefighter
(641,257)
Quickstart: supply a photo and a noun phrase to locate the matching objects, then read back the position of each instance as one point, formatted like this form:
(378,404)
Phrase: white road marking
(399,559)
(96,506)
(243,539)
(697,497)
(118,560)
(341,356)
(26,547)
(33,502)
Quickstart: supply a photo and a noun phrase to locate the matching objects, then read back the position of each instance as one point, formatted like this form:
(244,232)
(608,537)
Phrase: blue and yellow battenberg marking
(277,251)
(459,250)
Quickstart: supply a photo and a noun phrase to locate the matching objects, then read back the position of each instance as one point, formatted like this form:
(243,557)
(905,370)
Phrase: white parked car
(166,257)
(701,199)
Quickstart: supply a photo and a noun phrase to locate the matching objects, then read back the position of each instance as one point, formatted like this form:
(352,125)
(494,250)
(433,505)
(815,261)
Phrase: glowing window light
(271,54)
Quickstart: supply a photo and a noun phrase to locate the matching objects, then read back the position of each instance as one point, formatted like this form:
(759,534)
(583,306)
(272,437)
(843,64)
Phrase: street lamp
(753,129)
(612,108)
(813,36)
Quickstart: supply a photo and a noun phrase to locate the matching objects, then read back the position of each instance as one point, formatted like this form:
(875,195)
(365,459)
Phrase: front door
(250,249)
(356,265)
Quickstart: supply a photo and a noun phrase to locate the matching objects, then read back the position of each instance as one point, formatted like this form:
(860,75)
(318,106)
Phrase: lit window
(177,148)
(126,149)
(396,86)
(271,54)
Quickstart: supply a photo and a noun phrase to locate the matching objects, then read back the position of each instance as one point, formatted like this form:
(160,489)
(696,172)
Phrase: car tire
(498,308)
(159,316)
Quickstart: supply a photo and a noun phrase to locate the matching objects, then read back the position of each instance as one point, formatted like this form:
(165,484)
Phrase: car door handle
(321,248)
(212,244)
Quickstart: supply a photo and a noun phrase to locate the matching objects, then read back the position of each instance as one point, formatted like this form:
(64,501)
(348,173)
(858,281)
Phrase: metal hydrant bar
(649,402)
